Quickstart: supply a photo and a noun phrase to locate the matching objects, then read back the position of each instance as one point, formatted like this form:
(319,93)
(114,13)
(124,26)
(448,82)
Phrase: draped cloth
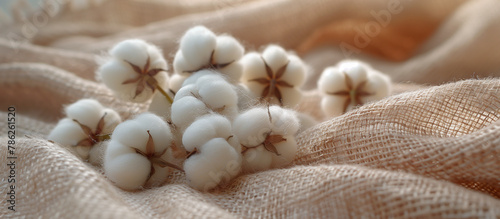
(429,150)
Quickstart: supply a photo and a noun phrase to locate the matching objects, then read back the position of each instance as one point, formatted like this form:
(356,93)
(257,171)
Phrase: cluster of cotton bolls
(349,84)
(221,112)
(86,125)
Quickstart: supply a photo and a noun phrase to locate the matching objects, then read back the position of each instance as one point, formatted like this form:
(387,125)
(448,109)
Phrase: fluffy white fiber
(350,83)
(128,168)
(201,49)
(281,82)
(209,93)
(254,129)
(88,113)
(216,162)
(118,74)
(160,105)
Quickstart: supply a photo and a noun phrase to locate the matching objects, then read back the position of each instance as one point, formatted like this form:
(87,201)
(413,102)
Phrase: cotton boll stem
(162,91)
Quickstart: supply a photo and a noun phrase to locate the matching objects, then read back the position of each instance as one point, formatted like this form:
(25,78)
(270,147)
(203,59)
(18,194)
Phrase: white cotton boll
(295,72)
(253,67)
(331,80)
(85,111)
(186,91)
(186,110)
(133,50)
(290,96)
(158,129)
(113,73)
(216,163)
(206,74)
(66,132)
(379,85)
(284,122)
(128,171)
(333,105)
(233,72)
(227,50)
(198,133)
(176,81)
(355,70)
(252,127)
(256,90)
(111,120)
(130,133)
(116,149)
(275,56)
(181,66)
(286,150)
(218,94)
(197,46)
(256,159)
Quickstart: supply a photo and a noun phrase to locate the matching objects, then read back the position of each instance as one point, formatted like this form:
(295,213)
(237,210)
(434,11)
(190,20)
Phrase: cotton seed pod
(274,76)
(134,70)
(201,49)
(210,93)
(139,152)
(350,84)
(208,127)
(176,81)
(86,122)
(267,137)
(216,163)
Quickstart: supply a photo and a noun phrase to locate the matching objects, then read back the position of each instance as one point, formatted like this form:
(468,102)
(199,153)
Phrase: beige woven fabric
(427,151)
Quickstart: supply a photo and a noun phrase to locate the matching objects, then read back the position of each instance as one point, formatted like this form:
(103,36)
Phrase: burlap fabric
(427,151)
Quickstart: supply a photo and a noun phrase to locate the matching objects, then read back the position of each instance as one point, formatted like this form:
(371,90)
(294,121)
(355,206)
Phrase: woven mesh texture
(430,150)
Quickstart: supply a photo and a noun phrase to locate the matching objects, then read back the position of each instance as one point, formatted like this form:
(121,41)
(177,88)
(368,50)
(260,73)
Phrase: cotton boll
(256,89)
(331,80)
(176,81)
(290,96)
(133,50)
(218,94)
(333,105)
(111,120)
(66,132)
(186,110)
(275,56)
(245,98)
(379,85)
(256,159)
(233,71)
(181,65)
(284,122)
(161,174)
(295,72)
(85,111)
(227,50)
(253,67)
(286,150)
(130,133)
(193,78)
(113,73)
(186,91)
(197,46)
(158,129)
(355,70)
(216,163)
(115,149)
(198,133)
(128,171)
(252,126)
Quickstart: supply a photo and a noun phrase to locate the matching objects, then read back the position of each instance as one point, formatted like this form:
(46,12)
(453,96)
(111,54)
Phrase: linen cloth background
(430,150)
